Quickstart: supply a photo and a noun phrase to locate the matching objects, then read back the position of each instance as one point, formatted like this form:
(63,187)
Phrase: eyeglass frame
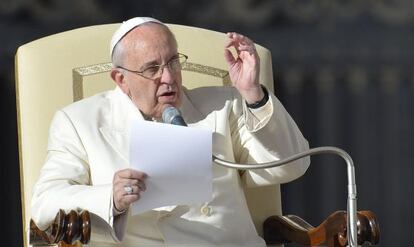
(160,67)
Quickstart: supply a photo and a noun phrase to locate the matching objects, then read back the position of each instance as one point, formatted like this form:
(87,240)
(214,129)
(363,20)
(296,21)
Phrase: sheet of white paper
(177,161)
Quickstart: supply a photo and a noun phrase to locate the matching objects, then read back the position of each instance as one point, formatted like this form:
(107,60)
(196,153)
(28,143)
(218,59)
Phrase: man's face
(146,46)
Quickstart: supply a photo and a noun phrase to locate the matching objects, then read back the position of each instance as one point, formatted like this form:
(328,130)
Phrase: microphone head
(172,115)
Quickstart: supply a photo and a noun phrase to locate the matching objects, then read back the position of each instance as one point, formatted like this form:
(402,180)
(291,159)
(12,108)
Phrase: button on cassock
(206,210)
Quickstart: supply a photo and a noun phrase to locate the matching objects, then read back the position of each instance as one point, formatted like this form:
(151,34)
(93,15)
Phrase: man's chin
(171,101)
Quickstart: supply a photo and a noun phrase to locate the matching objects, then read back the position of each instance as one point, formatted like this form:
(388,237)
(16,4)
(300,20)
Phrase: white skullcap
(127,26)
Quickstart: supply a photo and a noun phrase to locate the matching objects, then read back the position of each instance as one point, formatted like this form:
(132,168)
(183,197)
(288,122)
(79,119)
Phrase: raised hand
(244,70)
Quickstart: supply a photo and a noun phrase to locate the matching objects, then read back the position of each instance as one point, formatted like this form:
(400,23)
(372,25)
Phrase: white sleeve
(64,183)
(267,134)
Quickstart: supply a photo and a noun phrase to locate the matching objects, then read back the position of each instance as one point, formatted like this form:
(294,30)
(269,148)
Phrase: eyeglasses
(155,71)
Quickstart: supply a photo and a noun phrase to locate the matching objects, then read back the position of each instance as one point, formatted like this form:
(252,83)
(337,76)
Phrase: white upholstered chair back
(57,70)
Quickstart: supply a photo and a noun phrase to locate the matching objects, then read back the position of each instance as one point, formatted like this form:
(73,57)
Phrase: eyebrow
(148,64)
(154,62)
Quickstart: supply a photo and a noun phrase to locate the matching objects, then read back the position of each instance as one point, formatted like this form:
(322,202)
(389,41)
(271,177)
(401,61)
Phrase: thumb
(229,57)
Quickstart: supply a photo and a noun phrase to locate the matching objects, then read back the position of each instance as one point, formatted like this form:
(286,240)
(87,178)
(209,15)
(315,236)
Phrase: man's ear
(119,79)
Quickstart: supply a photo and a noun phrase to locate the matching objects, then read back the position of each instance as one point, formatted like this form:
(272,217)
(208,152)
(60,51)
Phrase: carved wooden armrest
(66,230)
(332,232)
(73,228)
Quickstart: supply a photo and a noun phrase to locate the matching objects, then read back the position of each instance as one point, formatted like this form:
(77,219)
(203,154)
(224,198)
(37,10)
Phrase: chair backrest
(59,69)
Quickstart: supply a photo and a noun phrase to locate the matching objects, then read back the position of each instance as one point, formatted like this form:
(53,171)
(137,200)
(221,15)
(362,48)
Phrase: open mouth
(168,94)
(167,97)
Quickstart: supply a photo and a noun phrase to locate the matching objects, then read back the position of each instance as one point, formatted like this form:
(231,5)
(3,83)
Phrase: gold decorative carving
(94,69)
(207,70)
(79,73)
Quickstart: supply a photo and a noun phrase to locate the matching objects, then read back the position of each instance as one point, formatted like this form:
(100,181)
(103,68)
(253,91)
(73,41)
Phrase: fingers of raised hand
(234,38)
(239,42)
(249,48)
(229,57)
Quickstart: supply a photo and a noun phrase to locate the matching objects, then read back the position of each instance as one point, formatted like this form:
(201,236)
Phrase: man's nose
(167,76)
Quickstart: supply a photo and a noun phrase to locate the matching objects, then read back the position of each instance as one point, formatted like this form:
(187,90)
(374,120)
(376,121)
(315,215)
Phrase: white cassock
(89,142)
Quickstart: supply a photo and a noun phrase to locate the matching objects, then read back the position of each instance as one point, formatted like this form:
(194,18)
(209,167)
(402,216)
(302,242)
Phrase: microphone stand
(351,205)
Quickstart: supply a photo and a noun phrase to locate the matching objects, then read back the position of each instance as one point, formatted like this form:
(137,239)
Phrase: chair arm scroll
(332,232)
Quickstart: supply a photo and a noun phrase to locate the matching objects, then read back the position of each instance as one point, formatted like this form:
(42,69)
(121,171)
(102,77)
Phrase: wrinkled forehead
(151,42)
(127,26)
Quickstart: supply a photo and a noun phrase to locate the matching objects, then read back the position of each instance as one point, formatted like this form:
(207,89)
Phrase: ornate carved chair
(59,69)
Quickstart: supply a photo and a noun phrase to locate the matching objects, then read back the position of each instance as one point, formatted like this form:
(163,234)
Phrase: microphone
(352,194)
(172,115)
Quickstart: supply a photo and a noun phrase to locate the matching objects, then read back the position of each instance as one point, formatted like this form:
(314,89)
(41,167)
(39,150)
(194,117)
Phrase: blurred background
(343,69)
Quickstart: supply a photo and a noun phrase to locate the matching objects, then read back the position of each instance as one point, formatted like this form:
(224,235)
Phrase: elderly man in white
(87,164)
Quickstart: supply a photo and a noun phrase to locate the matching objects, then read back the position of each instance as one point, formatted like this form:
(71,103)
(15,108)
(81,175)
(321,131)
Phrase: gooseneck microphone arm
(352,194)
(172,115)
